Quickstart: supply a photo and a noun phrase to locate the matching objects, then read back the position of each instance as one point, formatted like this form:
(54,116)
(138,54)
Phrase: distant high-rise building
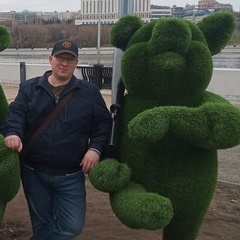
(112,10)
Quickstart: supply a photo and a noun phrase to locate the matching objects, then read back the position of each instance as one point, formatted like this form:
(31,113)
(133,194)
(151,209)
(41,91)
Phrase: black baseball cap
(65,46)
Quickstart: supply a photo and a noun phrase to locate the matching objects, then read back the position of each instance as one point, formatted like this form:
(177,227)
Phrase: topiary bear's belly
(185,174)
(170,165)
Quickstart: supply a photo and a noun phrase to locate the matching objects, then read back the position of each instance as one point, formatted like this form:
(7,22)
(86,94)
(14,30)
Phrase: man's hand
(14,143)
(90,159)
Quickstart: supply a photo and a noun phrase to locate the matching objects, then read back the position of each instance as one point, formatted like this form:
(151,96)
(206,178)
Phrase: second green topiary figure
(9,164)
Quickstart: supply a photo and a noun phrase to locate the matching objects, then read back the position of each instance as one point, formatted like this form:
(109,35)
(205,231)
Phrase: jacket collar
(74,82)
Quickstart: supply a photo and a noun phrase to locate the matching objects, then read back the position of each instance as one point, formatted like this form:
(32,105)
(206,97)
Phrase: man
(53,167)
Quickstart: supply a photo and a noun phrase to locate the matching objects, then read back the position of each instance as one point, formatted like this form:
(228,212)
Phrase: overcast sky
(74,5)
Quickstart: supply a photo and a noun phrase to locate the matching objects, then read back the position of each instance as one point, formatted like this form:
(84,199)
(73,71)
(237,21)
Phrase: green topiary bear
(9,164)
(166,173)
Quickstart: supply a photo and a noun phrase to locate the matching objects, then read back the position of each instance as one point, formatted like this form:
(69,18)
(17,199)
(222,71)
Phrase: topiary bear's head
(171,58)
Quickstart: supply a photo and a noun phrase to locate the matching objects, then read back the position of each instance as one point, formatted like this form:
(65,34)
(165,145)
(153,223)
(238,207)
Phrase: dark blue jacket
(83,123)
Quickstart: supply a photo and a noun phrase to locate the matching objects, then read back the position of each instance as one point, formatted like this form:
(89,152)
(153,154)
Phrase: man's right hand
(14,143)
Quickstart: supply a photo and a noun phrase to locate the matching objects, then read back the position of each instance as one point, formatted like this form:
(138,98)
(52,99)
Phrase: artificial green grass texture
(5,38)
(9,164)
(117,176)
(9,175)
(9,172)
(134,203)
(3,206)
(218,37)
(3,105)
(194,70)
(213,125)
(171,127)
(121,34)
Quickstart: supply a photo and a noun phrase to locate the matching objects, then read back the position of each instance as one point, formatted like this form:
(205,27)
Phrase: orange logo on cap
(67,44)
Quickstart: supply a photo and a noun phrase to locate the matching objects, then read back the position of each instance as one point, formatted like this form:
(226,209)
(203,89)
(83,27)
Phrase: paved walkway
(229,159)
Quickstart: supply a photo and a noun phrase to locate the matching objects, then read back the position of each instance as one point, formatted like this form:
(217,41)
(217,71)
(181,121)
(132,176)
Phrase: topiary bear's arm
(212,125)
(9,175)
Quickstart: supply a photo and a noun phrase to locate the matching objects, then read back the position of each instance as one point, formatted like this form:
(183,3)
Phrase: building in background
(111,10)
(212,4)
(4,16)
(160,12)
(26,16)
(89,12)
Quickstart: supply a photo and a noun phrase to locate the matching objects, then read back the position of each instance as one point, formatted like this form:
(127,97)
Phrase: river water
(227,59)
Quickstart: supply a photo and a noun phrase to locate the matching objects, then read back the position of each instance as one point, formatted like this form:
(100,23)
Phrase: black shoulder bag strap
(48,120)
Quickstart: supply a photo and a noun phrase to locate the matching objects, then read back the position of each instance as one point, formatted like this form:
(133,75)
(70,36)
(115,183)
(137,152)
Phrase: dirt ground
(221,222)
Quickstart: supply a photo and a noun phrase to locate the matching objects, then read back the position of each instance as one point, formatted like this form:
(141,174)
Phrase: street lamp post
(98,67)
(117,89)
(99,30)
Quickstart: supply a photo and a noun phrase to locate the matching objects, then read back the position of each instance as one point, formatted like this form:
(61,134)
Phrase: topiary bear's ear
(217,29)
(5,38)
(123,30)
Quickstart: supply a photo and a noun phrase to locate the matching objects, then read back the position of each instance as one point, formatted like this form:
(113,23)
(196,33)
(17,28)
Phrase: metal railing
(97,74)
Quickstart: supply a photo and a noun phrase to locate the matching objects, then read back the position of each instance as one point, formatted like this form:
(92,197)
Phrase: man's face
(63,65)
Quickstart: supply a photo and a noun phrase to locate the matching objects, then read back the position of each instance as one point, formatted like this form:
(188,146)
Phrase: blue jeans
(57,204)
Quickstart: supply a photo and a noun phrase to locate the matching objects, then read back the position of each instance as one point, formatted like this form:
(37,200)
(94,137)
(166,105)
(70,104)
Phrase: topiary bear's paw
(110,176)
(223,124)
(139,209)
(151,125)
(213,125)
